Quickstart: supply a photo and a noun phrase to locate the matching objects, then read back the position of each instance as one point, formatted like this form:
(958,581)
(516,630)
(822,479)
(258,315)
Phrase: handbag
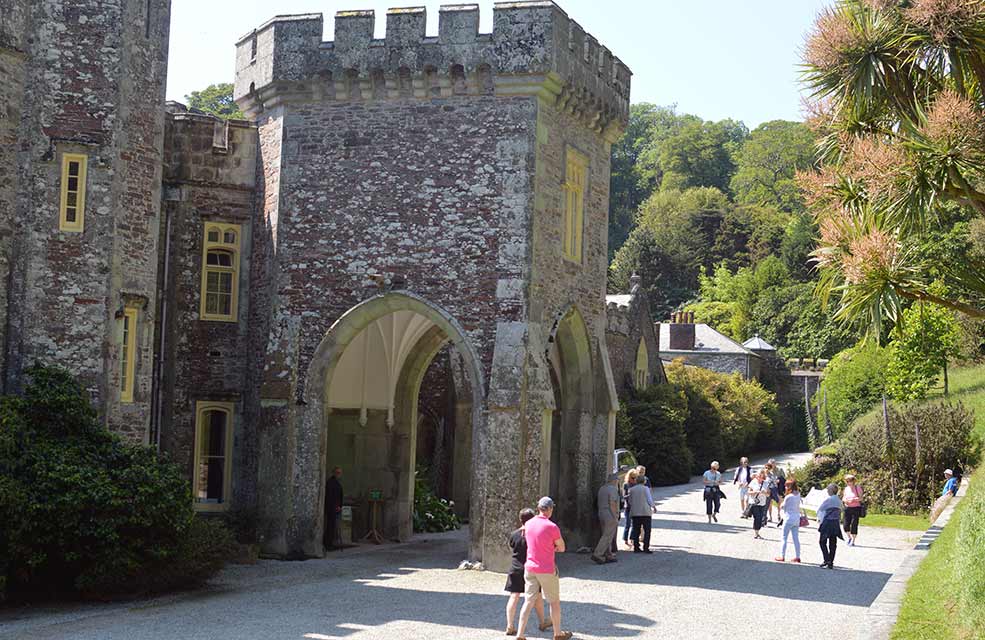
(864,510)
(747,511)
(804,522)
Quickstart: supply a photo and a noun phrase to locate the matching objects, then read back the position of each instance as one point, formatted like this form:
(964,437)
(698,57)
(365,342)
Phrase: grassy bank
(932,608)
(967,385)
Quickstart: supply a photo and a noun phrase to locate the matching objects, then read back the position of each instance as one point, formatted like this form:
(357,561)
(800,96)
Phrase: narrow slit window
(71,215)
(213,455)
(128,354)
(220,272)
(576,174)
(642,377)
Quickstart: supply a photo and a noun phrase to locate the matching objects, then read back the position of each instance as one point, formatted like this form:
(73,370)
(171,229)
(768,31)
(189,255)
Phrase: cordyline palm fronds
(897,91)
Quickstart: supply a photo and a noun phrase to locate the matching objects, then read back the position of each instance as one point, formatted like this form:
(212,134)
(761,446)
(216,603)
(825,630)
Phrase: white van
(623,460)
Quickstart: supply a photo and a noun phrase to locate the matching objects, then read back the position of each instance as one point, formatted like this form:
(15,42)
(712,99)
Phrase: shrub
(970,559)
(853,382)
(727,415)
(431,513)
(83,511)
(818,472)
(651,425)
(905,477)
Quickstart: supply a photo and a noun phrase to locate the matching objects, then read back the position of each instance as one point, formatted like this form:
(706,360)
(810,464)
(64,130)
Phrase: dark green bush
(431,513)
(651,425)
(905,477)
(819,472)
(84,512)
(854,381)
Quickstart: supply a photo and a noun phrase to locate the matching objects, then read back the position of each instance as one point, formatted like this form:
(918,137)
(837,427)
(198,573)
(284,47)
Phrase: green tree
(923,341)
(898,89)
(216,99)
(767,163)
(651,425)
(700,154)
(799,240)
(854,381)
(634,173)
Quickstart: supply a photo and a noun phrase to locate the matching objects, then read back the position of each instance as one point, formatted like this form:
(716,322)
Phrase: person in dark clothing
(515,585)
(332,538)
(829,526)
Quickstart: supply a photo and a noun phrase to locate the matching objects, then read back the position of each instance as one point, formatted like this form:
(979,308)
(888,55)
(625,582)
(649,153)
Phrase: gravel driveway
(704,581)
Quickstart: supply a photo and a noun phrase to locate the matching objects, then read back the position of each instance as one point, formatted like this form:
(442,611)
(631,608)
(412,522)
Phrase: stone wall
(94,83)
(431,168)
(14,25)
(209,176)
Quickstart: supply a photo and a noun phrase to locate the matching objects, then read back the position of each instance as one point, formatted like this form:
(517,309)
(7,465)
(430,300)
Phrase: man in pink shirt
(540,572)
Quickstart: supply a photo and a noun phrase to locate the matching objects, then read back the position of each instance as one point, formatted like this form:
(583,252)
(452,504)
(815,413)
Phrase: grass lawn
(930,610)
(906,523)
(967,385)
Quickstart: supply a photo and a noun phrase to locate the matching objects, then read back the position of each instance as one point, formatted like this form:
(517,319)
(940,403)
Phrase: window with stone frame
(575,182)
(71,210)
(220,272)
(212,470)
(128,352)
(641,377)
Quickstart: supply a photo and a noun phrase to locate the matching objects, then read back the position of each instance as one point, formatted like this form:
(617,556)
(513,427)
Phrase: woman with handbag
(759,495)
(713,499)
(829,526)
(793,517)
(851,496)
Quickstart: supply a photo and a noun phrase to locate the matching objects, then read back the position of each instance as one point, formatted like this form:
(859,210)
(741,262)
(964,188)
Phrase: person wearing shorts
(540,574)
(515,585)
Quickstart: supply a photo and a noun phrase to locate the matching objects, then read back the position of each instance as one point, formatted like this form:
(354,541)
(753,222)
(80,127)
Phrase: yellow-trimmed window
(212,473)
(71,211)
(128,353)
(641,377)
(576,178)
(220,271)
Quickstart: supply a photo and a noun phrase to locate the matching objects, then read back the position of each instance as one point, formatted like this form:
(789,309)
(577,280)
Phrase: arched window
(220,272)
(642,374)
(213,455)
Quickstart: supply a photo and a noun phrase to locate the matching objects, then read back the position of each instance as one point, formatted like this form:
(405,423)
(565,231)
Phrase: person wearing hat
(540,574)
(951,486)
(608,504)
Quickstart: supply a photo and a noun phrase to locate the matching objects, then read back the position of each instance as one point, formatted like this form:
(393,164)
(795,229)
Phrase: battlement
(202,148)
(533,49)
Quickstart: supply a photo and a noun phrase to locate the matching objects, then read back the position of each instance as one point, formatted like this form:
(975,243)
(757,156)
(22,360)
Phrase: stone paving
(704,581)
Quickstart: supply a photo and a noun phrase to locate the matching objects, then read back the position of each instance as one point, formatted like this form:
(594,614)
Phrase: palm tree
(897,92)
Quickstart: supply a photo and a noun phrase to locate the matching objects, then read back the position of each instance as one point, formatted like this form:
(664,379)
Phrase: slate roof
(706,340)
(758,344)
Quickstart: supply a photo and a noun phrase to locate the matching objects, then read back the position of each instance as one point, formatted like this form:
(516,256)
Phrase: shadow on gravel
(677,568)
(680,525)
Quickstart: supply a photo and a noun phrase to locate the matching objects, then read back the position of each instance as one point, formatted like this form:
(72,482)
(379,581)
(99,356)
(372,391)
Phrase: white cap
(948,472)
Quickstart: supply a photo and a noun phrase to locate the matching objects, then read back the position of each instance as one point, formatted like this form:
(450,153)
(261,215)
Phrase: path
(705,581)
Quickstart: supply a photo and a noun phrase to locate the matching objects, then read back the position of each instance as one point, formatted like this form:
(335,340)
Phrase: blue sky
(714,58)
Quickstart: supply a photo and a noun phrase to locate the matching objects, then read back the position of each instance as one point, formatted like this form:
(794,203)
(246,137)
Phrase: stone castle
(397,262)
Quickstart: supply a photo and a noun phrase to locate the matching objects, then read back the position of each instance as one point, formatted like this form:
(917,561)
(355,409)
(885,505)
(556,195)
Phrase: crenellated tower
(416,192)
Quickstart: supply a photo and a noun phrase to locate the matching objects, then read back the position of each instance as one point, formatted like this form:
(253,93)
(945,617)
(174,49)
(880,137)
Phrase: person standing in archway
(540,573)
(608,507)
(332,537)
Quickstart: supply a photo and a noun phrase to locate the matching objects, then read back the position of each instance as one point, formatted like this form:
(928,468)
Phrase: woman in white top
(790,511)
(713,499)
(759,495)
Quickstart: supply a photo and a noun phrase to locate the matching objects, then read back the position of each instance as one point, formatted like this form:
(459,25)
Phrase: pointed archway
(363,391)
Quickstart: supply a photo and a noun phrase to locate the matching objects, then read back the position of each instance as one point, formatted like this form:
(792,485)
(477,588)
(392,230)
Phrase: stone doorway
(572,423)
(375,359)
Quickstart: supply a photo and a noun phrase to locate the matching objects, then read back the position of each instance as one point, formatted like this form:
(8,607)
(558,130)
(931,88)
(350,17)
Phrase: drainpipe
(161,357)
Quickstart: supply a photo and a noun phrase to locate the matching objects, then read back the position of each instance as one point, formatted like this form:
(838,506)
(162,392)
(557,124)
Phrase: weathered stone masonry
(438,165)
(84,77)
